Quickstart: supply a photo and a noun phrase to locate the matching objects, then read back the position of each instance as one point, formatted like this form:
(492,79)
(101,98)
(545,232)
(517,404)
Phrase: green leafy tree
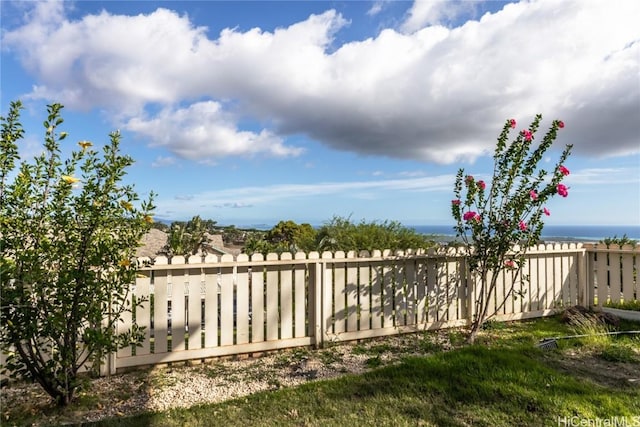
(344,235)
(68,233)
(498,223)
(286,236)
(289,236)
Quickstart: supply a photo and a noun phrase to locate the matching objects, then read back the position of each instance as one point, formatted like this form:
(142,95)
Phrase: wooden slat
(421,291)
(352,291)
(179,282)
(211,309)
(195,308)
(339,295)
(535,284)
(432,290)
(272,302)
(242,302)
(453,276)
(400,282)
(572,274)
(125,325)
(627,278)
(286,297)
(377,300)
(160,309)
(300,304)
(553,297)
(143,313)
(226,306)
(364,296)
(463,297)
(257,300)
(565,280)
(411,289)
(326,292)
(388,293)
(442,290)
(615,278)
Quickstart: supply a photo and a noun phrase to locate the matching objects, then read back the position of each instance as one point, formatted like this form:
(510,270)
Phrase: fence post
(315,296)
(583,279)
(589,277)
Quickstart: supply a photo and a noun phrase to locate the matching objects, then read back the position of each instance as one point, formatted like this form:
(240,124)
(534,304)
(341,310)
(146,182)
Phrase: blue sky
(254,112)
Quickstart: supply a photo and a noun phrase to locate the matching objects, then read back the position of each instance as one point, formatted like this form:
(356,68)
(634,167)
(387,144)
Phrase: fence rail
(199,308)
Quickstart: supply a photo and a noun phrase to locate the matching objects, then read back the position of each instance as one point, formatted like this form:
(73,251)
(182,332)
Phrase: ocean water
(590,233)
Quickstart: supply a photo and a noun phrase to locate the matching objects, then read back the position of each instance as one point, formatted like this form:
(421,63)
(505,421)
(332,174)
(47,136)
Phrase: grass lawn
(503,380)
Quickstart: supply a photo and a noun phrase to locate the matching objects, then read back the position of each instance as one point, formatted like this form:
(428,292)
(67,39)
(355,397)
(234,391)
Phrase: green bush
(68,233)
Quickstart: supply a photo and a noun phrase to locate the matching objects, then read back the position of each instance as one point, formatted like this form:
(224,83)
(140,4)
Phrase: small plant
(499,221)
(430,345)
(373,362)
(594,329)
(618,352)
(619,241)
(186,238)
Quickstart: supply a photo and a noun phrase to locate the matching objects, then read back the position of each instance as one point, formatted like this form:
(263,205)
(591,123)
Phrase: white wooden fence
(214,307)
(203,308)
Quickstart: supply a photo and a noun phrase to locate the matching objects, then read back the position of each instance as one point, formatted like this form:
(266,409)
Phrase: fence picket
(194,313)
(273,301)
(160,310)
(227,304)
(143,312)
(257,299)
(179,286)
(628,269)
(352,291)
(339,295)
(242,301)
(211,308)
(300,297)
(286,298)
(364,293)
(377,300)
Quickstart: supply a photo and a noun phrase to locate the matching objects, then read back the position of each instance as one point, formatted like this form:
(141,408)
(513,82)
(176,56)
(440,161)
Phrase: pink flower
(509,263)
(455,202)
(468,215)
(560,124)
(522,225)
(468,179)
(533,194)
(527,135)
(546,211)
(563,170)
(562,190)
(482,185)
(512,122)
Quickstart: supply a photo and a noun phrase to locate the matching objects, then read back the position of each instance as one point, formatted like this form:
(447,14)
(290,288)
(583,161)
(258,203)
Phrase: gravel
(183,385)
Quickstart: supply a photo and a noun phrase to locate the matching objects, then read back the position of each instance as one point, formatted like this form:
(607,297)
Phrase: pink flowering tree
(499,221)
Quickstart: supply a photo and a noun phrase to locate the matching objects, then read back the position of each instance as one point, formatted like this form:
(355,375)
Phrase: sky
(252,112)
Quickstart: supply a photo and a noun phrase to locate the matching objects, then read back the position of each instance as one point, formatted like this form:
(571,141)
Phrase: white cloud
(375,8)
(204,130)
(259,196)
(433,12)
(161,161)
(431,93)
